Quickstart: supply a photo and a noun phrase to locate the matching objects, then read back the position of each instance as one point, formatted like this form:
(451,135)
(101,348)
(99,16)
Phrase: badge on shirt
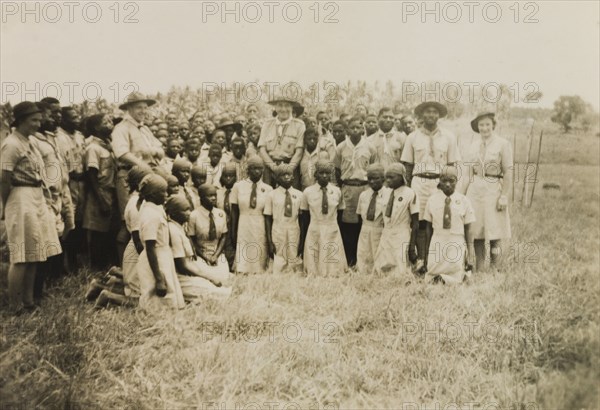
(399,199)
(220,215)
(262,190)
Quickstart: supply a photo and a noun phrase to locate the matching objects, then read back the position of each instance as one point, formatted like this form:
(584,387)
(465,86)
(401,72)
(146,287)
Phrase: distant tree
(567,109)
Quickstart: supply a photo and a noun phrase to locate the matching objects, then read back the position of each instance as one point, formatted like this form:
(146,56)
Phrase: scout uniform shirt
(57,180)
(132,136)
(72,146)
(352,161)
(282,138)
(387,146)
(430,152)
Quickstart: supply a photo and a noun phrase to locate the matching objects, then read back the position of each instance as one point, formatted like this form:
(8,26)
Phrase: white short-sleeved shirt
(132,214)
(199,227)
(364,200)
(406,203)
(417,150)
(153,224)
(460,208)
(312,200)
(275,204)
(353,160)
(181,246)
(240,195)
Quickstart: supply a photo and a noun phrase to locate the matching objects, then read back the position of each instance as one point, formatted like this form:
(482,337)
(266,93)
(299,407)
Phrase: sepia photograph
(312,204)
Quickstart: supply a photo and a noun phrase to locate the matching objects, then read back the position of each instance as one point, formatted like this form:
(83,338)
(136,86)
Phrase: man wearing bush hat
(133,144)
(282,140)
(428,150)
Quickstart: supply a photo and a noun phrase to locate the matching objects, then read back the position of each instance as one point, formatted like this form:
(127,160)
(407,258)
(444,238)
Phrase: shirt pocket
(288,144)
(107,169)
(440,147)
(493,161)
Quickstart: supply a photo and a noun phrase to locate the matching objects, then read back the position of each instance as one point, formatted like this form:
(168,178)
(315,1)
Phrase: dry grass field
(525,338)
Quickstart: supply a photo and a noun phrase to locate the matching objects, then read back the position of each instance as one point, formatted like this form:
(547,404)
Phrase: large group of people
(173,207)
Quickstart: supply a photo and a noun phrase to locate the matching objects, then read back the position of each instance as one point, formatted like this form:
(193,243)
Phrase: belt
(354,182)
(124,167)
(282,161)
(27,184)
(427,176)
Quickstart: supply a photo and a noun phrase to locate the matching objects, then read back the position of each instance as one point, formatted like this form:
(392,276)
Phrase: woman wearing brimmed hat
(30,228)
(282,140)
(490,160)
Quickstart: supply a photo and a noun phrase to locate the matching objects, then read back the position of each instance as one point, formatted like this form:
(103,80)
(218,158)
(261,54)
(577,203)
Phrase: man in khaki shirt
(133,144)
(282,141)
(427,152)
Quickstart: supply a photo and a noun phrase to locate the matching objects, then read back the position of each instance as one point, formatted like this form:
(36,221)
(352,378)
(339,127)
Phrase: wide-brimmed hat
(23,110)
(475,121)
(226,122)
(279,99)
(136,97)
(441,108)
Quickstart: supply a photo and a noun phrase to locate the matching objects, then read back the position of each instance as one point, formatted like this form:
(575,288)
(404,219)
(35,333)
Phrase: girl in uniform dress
(449,214)
(401,221)
(194,284)
(492,173)
(132,221)
(207,228)
(127,291)
(281,218)
(159,286)
(320,238)
(30,228)
(248,198)
(370,210)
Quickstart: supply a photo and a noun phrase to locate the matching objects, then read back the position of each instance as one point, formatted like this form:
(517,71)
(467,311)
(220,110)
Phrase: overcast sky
(184,43)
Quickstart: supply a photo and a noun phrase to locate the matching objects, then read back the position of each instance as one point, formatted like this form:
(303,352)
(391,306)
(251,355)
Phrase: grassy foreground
(526,338)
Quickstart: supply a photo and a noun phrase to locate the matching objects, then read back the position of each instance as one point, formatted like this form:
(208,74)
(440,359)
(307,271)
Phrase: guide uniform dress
(154,226)
(392,253)
(130,256)
(448,247)
(199,227)
(372,226)
(387,146)
(193,288)
(323,248)
(251,249)
(30,225)
(285,230)
(485,186)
